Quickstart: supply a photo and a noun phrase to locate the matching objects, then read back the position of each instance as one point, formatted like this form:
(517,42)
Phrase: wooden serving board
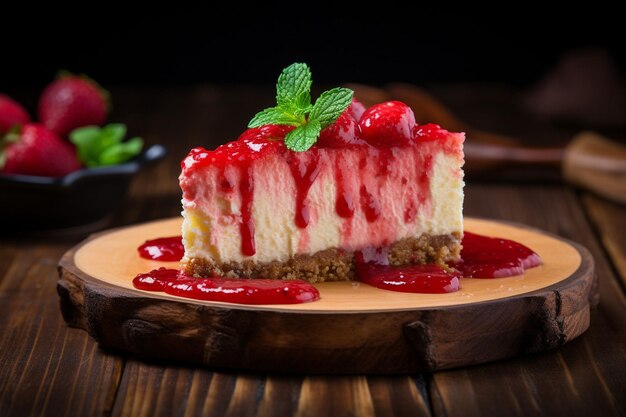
(354,328)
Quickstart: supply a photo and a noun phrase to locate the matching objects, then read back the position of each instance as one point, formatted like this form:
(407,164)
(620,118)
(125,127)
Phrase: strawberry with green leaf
(294,108)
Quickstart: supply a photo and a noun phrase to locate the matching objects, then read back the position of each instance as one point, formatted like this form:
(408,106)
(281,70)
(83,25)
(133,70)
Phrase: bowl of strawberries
(67,169)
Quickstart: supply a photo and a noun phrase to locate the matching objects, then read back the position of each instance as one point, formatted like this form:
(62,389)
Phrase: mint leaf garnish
(293,99)
(277,116)
(303,137)
(293,85)
(329,106)
(102,146)
(302,105)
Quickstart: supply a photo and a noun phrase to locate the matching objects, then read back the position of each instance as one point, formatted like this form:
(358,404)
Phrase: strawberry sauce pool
(242,291)
(481,257)
(166,249)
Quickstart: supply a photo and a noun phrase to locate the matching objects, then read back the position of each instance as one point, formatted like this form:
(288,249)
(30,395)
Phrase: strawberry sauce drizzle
(423,180)
(481,257)
(240,291)
(304,173)
(344,204)
(410,211)
(423,279)
(493,257)
(226,182)
(167,249)
(246,227)
(369,204)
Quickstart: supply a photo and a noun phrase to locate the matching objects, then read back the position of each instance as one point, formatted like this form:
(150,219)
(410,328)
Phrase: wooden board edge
(71,290)
(213,335)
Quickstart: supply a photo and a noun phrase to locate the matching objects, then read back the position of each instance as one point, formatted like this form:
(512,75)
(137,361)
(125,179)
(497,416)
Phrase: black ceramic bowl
(85,197)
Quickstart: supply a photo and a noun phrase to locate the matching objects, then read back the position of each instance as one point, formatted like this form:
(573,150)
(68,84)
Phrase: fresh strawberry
(11,113)
(36,150)
(387,124)
(70,102)
(341,133)
(356,109)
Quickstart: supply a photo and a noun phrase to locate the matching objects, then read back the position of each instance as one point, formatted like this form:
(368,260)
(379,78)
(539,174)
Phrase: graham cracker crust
(331,264)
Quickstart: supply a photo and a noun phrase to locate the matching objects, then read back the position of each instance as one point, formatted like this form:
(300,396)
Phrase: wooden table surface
(47,368)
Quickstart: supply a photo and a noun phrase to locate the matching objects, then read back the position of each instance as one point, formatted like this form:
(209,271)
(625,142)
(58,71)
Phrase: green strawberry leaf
(329,106)
(85,134)
(102,146)
(12,136)
(303,137)
(121,152)
(88,144)
(113,133)
(293,82)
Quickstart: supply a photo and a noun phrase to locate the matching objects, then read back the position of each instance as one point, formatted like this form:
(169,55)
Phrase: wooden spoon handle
(484,156)
(598,164)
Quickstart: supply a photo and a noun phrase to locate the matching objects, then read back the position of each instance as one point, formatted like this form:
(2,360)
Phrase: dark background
(515,45)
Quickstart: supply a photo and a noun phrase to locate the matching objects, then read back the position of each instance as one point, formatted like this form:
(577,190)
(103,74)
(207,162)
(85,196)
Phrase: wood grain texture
(610,221)
(151,390)
(45,367)
(354,334)
(588,372)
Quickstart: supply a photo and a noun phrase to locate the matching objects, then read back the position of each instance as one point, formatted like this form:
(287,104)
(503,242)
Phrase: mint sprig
(294,108)
(293,88)
(276,115)
(303,137)
(103,146)
(329,106)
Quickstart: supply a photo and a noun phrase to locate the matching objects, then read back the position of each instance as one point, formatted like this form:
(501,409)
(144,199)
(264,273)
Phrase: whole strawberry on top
(11,113)
(32,149)
(70,102)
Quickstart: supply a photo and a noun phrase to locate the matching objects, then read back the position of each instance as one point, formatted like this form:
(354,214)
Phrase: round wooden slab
(354,328)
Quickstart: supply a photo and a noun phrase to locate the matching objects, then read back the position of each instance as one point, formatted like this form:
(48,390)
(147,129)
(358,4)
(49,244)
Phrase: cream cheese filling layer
(211,221)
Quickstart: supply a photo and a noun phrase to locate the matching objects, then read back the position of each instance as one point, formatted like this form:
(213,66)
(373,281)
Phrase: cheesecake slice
(253,208)
(373,186)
